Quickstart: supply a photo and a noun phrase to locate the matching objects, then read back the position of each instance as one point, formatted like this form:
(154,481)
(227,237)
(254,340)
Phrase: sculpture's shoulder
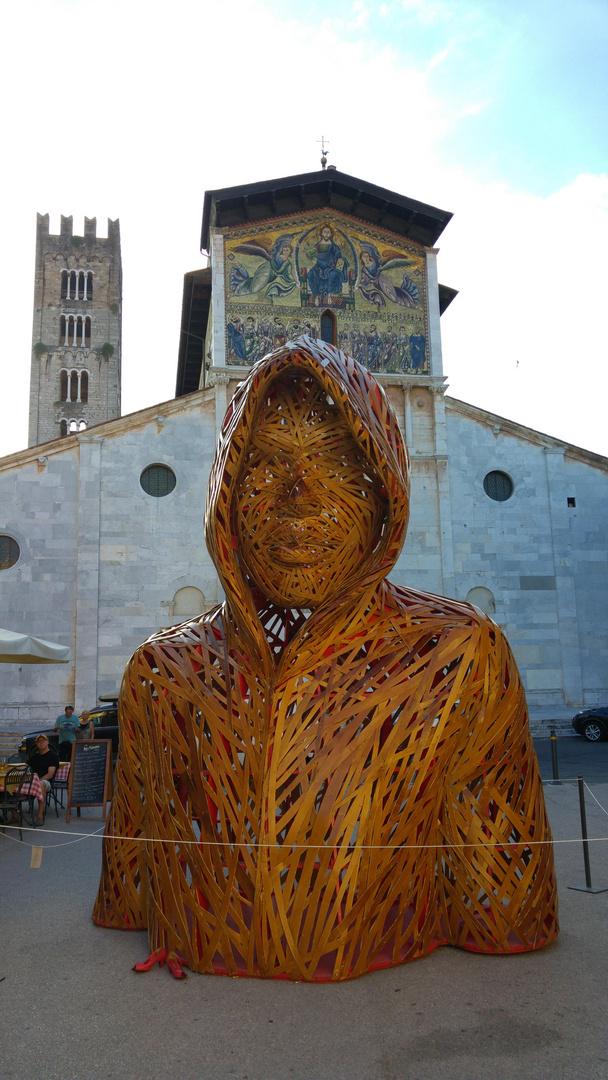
(193,639)
(441,614)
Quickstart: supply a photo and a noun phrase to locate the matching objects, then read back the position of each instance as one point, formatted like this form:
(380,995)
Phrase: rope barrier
(603,808)
(251,845)
(256,845)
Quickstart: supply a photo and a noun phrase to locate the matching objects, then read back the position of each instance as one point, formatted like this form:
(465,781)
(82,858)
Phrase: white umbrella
(26,649)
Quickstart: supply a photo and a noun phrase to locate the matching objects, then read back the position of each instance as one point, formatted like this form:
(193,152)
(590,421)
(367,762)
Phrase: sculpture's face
(308,506)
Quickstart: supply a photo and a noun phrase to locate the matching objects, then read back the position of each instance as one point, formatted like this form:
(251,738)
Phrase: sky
(495,111)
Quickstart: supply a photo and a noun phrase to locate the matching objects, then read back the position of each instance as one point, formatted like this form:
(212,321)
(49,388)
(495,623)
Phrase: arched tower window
(76,284)
(73,426)
(63,428)
(75,330)
(328,327)
(74,386)
(82,426)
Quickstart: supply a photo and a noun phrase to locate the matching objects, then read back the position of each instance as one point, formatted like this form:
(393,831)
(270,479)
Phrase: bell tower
(76,337)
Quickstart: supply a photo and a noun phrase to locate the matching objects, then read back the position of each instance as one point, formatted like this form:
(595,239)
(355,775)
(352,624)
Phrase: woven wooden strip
(331,774)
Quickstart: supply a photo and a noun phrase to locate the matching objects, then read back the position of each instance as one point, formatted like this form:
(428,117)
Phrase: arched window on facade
(188,603)
(74,386)
(64,284)
(84,387)
(483,599)
(82,426)
(328,327)
(73,426)
(63,428)
(63,386)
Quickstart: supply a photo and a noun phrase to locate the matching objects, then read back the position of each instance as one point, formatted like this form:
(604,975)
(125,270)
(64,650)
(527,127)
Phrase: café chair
(13,798)
(55,793)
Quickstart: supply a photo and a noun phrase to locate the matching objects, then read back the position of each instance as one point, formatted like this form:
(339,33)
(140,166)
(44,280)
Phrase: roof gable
(326,188)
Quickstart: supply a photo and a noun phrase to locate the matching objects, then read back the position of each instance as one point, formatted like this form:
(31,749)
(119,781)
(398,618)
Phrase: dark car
(592,724)
(104,717)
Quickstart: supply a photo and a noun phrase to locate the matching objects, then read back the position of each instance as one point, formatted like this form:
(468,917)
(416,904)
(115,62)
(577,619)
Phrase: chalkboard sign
(90,775)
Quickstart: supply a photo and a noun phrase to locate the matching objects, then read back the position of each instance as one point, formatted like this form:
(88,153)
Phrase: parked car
(105,720)
(592,724)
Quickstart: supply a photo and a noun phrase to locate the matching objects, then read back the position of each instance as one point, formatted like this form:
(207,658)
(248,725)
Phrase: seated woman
(341,768)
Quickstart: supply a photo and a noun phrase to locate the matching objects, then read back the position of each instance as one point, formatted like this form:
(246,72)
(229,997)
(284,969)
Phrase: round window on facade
(498,485)
(158,480)
(9,552)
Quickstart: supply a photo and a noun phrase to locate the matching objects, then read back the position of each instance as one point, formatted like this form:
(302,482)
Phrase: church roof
(313,191)
(196,302)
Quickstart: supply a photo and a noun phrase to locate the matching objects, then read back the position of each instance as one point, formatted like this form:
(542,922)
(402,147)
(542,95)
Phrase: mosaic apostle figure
(327,773)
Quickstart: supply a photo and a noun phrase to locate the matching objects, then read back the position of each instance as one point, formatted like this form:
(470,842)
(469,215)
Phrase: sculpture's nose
(300,501)
(299,489)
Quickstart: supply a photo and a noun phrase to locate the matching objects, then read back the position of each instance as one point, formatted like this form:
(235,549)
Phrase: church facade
(106,523)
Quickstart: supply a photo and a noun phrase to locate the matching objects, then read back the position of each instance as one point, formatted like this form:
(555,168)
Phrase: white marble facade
(103,564)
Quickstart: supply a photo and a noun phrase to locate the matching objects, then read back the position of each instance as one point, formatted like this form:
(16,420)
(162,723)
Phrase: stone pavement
(72,1009)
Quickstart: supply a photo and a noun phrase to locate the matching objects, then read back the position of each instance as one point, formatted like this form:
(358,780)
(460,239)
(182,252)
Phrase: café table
(33,788)
(30,790)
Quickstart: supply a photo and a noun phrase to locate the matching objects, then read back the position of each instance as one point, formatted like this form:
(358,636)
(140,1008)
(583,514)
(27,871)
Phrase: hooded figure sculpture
(329,774)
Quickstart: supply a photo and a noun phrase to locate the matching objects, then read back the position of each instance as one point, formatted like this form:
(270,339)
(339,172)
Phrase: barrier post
(587,887)
(554,754)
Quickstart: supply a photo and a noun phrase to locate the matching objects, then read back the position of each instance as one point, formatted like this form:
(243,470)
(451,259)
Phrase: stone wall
(102,562)
(543,560)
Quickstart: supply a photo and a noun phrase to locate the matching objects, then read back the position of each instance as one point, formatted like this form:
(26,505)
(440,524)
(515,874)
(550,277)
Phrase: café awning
(27,649)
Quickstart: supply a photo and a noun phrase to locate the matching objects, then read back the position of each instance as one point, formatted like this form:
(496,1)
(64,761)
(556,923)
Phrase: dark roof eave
(408,217)
(191,346)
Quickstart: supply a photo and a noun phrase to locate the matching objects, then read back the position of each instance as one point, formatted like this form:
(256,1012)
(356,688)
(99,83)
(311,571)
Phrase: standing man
(44,761)
(67,725)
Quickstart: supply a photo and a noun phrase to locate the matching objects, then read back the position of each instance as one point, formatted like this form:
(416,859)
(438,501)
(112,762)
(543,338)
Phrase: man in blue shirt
(67,725)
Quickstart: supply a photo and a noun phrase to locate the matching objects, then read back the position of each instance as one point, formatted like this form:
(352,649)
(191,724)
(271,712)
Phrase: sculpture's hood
(373,426)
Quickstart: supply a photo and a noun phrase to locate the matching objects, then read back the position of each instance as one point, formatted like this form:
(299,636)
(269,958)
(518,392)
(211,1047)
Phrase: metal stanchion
(554,756)
(587,887)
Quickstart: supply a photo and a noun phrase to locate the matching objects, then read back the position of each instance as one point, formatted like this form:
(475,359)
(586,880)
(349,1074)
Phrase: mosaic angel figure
(375,284)
(274,274)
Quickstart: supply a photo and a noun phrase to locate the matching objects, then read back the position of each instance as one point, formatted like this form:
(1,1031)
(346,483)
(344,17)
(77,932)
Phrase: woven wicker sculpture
(328,774)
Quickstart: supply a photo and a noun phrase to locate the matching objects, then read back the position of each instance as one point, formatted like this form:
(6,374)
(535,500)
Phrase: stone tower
(76,337)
